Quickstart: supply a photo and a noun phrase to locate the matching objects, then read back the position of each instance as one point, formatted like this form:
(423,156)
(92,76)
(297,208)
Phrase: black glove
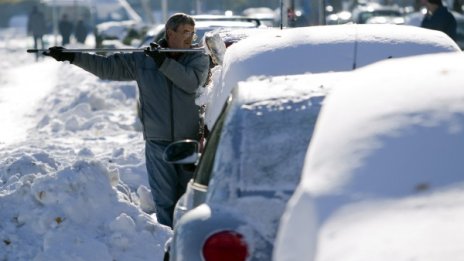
(153,52)
(57,53)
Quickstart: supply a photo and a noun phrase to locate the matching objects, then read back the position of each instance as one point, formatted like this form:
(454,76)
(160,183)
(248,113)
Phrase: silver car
(234,201)
(383,177)
(249,169)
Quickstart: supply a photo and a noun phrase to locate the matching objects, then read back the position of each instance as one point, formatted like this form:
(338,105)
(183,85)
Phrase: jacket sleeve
(187,76)
(119,67)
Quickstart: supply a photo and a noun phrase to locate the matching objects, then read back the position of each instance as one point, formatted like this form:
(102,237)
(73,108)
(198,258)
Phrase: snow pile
(73,182)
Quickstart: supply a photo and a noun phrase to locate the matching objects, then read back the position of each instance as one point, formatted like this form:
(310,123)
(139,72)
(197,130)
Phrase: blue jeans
(167,181)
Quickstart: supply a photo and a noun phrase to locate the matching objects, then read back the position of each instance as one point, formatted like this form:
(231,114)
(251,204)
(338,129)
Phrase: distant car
(265,14)
(248,170)
(362,13)
(316,49)
(203,24)
(385,20)
(342,17)
(383,175)
(115,21)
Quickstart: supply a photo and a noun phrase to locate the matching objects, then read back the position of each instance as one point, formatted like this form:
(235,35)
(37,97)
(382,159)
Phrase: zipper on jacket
(171,109)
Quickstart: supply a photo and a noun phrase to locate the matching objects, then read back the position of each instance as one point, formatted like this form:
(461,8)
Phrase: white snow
(316,49)
(73,183)
(382,178)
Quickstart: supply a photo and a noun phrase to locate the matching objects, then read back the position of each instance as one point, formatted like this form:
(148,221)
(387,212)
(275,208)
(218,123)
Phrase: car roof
(220,23)
(232,18)
(333,45)
(376,7)
(285,87)
(201,27)
(385,159)
(430,95)
(319,49)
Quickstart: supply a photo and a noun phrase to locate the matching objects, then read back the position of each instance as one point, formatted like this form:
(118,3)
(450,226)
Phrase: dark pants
(65,39)
(167,181)
(38,39)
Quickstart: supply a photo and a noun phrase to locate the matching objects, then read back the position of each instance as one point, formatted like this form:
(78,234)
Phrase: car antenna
(281,13)
(355,51)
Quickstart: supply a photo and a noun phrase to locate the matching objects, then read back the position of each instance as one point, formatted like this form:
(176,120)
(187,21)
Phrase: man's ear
(169,33)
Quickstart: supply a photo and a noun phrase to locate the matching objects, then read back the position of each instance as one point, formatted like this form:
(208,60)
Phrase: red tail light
(225,246)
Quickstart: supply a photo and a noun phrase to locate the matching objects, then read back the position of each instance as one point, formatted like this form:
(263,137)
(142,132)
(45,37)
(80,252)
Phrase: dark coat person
(439,18)
(81,31)
(65,27)
(36,26)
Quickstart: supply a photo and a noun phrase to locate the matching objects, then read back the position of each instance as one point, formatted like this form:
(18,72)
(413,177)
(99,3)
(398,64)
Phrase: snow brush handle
(163,50)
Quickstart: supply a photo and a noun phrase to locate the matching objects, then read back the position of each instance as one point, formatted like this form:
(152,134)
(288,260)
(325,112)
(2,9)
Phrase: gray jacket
(166,95)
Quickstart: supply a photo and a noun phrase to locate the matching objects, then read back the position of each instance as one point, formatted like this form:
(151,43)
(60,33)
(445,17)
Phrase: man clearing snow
(167,85)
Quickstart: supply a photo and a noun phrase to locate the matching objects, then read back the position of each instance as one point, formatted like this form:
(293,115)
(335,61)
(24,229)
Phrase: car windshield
(364,16)
(273,143)
(201,28)
(263,146)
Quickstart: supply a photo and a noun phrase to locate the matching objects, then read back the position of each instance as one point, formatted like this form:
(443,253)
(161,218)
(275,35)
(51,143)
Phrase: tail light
(225,246)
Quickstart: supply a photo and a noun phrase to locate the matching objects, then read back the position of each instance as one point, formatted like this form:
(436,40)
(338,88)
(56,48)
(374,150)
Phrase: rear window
(273,143)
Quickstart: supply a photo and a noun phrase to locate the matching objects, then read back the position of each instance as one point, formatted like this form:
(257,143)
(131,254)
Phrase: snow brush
(215,47)
(123,50)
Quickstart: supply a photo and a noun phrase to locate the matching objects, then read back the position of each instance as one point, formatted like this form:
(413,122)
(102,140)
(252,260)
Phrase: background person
(37,27)
(65,27)
(439,18)
(81,31)
(167,84)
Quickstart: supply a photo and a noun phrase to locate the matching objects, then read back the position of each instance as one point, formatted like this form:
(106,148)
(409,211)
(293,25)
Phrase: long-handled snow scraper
(122,50)
(215,47)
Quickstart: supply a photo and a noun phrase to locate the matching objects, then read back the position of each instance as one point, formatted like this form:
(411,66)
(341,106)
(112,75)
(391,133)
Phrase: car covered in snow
(249,168)
(204,24)
(315,49)
(383,175)
(362,13)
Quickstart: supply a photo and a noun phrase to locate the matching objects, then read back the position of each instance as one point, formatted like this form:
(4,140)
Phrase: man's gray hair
(177,19)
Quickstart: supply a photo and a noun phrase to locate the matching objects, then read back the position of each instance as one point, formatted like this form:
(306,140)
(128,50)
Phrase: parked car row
(383,175)
(262,106)
(375,13)
(203,24)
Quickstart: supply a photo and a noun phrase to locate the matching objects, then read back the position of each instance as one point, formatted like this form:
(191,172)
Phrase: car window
(364,16)
(203,171)
(273,144)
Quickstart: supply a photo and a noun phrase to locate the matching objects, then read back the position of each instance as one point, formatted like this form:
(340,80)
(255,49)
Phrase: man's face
(182,37)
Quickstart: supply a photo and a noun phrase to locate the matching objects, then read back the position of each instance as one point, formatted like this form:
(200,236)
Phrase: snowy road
(73,182)
(22,96)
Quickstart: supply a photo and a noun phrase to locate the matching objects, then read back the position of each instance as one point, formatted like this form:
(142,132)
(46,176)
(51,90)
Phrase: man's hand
(153,52)
(57,53)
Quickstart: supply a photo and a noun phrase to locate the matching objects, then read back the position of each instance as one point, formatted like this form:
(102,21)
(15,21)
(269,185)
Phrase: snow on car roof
(317,49)
(425,90)
(383,174)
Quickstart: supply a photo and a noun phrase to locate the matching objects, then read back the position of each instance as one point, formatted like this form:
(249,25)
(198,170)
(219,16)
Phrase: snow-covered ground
(73,183)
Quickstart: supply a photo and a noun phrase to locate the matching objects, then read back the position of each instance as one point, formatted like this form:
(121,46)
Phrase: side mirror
(182,152)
